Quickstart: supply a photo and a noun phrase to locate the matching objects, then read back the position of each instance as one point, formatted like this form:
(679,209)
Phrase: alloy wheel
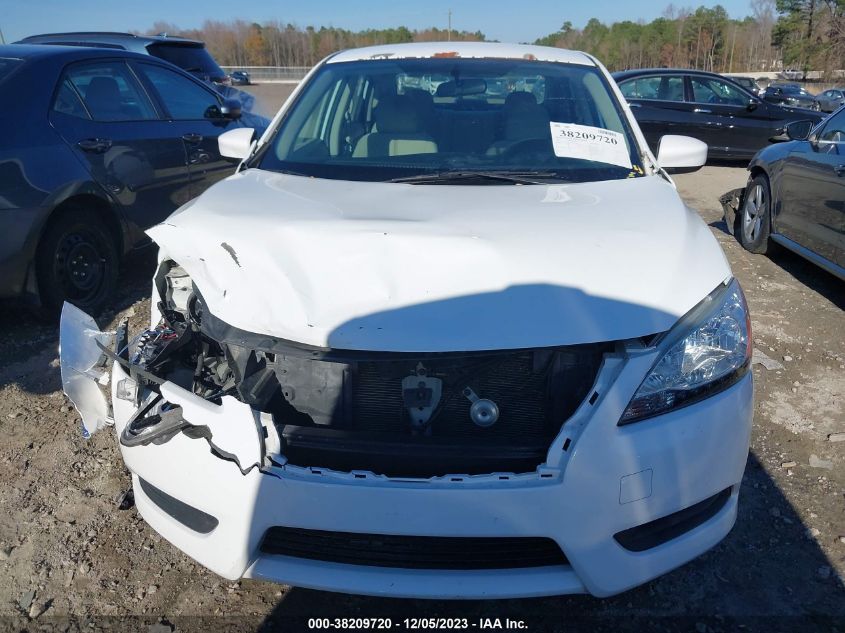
(752,213)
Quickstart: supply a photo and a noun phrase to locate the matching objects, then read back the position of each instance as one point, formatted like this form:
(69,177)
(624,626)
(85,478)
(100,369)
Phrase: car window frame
(822,126)
(165,113)
(63,75)
(659,76)
(732,84)
(62,80)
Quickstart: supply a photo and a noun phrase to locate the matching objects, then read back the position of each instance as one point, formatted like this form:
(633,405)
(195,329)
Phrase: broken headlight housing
(706,352)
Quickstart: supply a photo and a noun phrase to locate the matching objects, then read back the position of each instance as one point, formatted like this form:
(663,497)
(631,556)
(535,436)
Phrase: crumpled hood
(397,267)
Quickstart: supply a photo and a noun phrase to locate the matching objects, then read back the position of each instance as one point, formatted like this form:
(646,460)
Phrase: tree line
(778,34)
(274,43)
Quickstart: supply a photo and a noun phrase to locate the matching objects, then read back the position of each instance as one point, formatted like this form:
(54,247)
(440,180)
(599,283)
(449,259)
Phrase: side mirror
(681,154)
(752,104)
(799,130)
(231,109)
(236,144)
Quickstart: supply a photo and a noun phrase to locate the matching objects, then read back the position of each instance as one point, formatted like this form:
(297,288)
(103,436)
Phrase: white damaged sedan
(448,332)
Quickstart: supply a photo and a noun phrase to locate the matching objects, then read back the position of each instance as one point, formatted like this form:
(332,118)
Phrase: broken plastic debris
(758,357)
(817,462)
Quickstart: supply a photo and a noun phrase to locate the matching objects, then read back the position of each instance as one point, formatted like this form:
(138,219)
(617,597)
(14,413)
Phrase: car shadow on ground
(766,575)
(29,343)
(823,282)
(812,276)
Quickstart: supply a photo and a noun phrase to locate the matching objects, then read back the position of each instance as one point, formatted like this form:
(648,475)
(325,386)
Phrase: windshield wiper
(513,177)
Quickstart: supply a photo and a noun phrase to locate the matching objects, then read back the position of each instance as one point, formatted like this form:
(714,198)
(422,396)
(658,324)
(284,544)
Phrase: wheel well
(758,171)
(96,205)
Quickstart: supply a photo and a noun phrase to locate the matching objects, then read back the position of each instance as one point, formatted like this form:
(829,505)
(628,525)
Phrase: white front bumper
(692,454)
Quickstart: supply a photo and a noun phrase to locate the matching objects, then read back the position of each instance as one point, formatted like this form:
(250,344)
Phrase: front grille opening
(413,552)
(357,415)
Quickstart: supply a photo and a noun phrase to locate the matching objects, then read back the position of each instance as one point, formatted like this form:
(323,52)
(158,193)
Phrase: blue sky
(506,21)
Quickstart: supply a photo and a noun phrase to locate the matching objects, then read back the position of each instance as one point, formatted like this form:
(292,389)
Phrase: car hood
(399,267)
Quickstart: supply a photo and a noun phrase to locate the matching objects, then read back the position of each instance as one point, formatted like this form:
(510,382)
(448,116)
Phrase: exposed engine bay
(396,414)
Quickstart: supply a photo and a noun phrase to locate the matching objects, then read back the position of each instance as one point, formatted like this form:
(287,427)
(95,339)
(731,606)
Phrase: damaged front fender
(85,368)
(235,431)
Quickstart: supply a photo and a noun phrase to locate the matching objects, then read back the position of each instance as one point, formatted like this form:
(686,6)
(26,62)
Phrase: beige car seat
(400,125)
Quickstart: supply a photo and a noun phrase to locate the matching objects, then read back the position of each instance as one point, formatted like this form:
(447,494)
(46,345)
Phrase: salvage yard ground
(68,551)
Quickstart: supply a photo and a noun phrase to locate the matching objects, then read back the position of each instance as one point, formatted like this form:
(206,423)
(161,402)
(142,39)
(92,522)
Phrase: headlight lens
(709,350)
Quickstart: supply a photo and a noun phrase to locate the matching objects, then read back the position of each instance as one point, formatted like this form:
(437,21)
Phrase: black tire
(76,261)
(754,220)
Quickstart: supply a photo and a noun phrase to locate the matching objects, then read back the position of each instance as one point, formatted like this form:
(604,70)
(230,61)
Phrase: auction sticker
(585,142)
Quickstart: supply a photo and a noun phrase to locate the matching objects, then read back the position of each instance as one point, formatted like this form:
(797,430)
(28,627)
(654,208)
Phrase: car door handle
(840,170)
(95,145)
(635,105)
(192,138)
(703,111)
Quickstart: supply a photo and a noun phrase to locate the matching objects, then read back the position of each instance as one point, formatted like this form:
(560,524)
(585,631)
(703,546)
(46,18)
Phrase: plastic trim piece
(664,529)
(188,516)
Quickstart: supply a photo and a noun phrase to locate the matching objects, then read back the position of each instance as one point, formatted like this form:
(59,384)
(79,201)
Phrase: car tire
(77,261)
(754,218)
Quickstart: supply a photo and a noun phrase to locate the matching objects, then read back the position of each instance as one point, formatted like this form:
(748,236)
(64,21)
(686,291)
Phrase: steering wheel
(528,146)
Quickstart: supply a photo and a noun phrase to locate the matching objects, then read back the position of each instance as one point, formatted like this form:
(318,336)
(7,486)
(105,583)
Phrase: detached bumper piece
(413,552)
(731,204)
(664,529)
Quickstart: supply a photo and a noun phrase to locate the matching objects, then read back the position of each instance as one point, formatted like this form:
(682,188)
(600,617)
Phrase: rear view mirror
(681,154)
(236,144)
(462,87)
(799,130)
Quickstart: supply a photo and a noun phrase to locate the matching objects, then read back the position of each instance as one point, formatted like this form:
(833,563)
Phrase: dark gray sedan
(791,95)
(795,195)
(831,100)
(733,122)
(98,145)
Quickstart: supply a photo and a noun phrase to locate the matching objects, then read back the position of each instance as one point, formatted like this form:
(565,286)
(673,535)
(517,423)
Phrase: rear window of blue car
(7,66)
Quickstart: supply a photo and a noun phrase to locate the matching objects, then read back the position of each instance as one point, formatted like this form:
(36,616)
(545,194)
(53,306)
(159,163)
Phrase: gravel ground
(71,559)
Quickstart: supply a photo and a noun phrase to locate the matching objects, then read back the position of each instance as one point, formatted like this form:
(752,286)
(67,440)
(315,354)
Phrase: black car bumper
(731,204)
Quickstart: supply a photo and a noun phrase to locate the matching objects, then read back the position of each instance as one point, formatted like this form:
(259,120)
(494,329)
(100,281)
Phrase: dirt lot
(71,559)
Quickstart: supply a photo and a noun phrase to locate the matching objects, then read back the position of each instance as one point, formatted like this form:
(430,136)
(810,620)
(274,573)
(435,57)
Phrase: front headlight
(706,352)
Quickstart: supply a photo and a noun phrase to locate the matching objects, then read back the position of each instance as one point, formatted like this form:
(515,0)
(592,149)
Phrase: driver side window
(184,99)
(707,90)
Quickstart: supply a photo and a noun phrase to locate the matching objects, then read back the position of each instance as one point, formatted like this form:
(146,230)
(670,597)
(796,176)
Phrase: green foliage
(807,33)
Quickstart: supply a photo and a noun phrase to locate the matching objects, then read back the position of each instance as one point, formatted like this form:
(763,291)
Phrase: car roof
(68,53)
(105,38)
(624,74)
(465,50)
